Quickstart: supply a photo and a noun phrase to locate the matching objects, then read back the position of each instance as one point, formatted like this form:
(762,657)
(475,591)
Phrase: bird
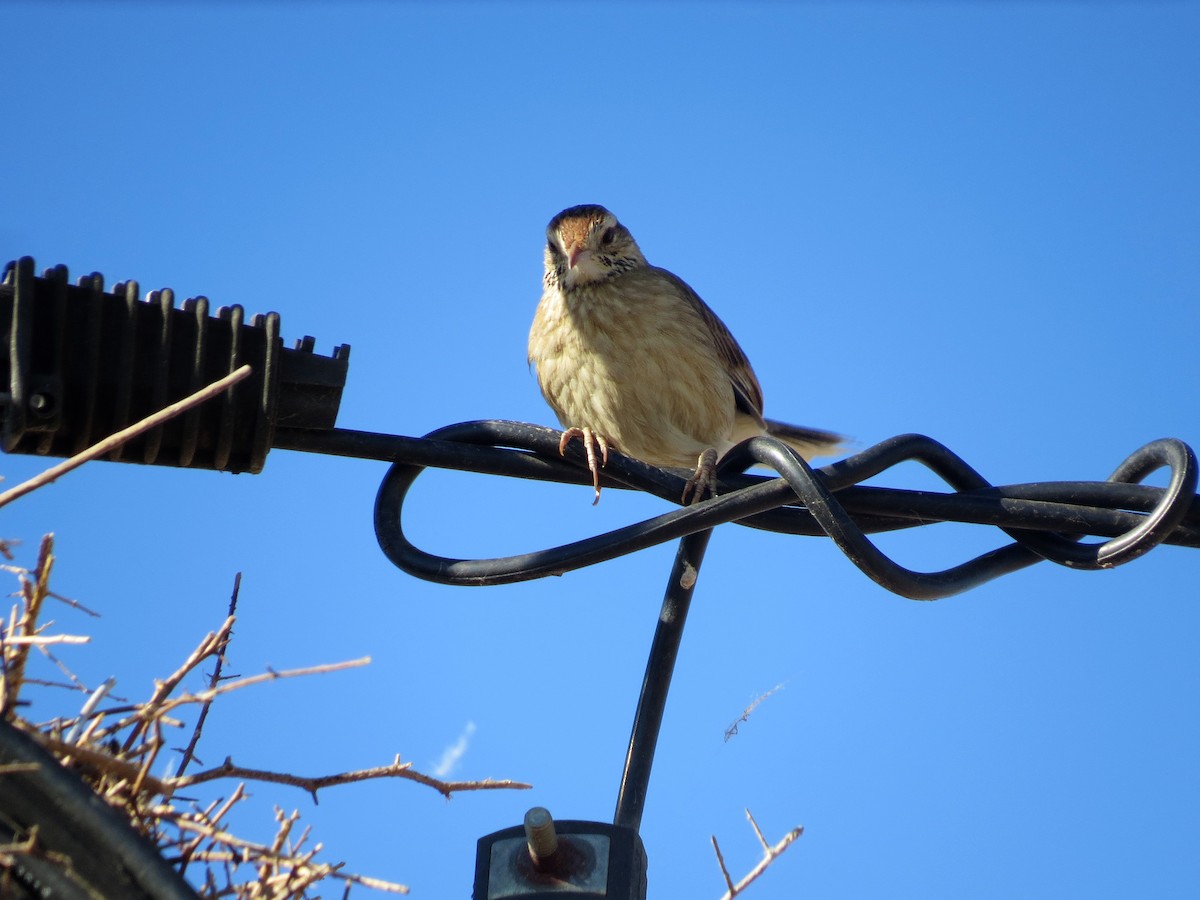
(630,358)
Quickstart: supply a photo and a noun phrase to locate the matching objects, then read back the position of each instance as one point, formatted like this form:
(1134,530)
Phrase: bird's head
(586,245)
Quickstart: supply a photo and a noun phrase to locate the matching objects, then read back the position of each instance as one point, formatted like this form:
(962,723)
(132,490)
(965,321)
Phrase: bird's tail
(808,442)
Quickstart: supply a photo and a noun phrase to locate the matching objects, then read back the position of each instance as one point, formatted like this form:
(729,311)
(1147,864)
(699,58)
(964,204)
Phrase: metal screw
(540,834)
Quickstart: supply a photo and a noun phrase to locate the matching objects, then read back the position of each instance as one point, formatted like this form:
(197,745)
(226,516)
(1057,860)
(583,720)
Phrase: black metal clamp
(81,363)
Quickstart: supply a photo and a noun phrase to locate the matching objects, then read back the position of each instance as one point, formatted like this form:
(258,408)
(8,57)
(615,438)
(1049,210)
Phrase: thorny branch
(189,752)
(115,749)
(396,769)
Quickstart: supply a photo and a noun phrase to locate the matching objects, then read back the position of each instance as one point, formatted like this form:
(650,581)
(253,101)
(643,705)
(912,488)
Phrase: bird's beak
(573,254)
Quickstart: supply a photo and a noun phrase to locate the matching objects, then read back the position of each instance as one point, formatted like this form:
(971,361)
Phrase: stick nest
(116,747)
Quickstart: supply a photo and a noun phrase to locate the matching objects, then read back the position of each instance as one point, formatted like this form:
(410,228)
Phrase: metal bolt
(540,834)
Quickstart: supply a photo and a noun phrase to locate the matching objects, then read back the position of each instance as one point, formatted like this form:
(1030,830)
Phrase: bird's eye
(552,247)
(610,235)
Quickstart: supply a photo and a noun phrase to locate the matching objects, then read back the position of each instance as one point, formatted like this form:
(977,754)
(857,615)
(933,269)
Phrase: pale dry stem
(770,854)
(113,441)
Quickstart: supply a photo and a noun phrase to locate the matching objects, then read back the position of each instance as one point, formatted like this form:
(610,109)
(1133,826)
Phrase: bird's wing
(746,388)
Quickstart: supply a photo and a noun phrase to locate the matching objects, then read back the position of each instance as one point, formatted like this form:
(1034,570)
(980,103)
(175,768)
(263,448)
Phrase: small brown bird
(631,358)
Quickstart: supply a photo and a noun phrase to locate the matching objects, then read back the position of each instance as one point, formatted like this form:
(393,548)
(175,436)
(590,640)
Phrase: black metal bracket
(78,363)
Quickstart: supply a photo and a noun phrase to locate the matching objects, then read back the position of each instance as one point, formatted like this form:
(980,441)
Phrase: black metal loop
(1045,520)
(1169,512)
(538,564)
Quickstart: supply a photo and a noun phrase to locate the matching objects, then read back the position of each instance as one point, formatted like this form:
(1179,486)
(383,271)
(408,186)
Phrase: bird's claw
(703,480)
(590,440)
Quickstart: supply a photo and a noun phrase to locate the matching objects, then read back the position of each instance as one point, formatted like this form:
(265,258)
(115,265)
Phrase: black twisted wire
(1045,520)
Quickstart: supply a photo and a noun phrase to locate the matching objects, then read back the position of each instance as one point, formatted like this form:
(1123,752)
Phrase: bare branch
(99,761)
(397,769)
(770,854)
(162,689)
(35,586)
(189,752)
(89,707)
(275,855)
(125,434)
(18,768)
(45,640)
(721,863)
(271,675)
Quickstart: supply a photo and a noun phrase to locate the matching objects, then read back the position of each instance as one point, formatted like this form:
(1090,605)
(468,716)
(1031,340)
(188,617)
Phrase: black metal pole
(631,799)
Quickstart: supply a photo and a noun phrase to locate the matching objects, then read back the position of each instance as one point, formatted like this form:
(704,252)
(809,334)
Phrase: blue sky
(976,221)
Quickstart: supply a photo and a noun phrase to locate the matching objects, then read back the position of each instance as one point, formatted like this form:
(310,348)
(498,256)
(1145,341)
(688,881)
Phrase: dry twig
(189,751)
(770,854)
(396,769)
(126,434)
(114,750)
(22,623)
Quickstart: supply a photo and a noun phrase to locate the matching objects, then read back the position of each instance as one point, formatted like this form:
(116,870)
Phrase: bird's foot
(703,480)
(590,440)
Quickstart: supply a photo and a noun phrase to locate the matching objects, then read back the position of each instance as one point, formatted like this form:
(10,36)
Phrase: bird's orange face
(577,239)
(586,244)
